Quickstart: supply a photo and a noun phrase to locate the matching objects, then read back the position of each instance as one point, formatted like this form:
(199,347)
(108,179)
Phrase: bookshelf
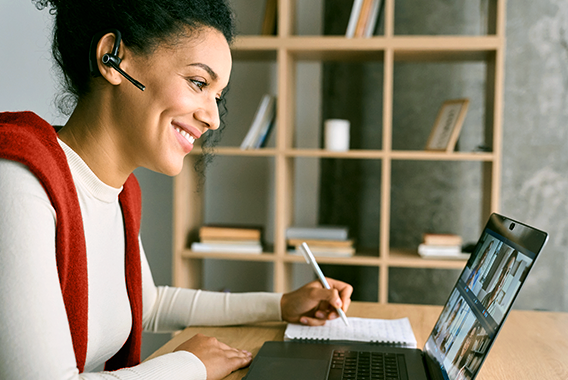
(283,52)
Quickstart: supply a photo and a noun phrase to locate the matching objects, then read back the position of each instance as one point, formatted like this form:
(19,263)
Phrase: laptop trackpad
(290,368)
(290,360)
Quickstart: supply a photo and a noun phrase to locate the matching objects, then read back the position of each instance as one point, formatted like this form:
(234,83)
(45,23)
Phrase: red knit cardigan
(28,139)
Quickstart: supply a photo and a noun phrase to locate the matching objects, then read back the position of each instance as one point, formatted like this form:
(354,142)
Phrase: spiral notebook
(396,332)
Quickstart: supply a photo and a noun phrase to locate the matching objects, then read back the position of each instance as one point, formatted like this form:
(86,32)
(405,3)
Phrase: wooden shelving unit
(285,50)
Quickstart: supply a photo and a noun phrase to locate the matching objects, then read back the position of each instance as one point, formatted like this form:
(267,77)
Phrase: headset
(110,59)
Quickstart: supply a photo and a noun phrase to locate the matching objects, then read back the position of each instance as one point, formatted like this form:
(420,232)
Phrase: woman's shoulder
(17,179)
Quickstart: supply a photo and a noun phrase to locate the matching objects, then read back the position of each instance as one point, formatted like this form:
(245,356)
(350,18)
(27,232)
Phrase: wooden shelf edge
(351,260)
(397,258)
(264,257)
(356,153)
(399,42)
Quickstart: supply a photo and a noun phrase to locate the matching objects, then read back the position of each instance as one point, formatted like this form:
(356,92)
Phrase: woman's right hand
(219,359)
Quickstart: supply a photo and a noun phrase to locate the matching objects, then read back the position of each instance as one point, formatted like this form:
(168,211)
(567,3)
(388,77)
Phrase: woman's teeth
(187,136)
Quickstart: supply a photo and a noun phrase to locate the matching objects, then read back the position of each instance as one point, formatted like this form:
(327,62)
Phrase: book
(374,18)
(441,252)
(442,239)
(261,123)
(319,233)
(264,133)
(226,248)
(321,243)
(229,233)
(385,331)
(353,18)
(364,16)
(269,23)
(326,252)
(229,241)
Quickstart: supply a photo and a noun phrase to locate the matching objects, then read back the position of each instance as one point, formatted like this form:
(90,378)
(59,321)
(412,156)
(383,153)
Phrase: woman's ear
(106,46)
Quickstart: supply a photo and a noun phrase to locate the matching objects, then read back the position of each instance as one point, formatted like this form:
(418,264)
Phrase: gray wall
(535,185)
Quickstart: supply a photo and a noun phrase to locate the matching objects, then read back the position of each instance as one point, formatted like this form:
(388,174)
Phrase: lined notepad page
(390,331)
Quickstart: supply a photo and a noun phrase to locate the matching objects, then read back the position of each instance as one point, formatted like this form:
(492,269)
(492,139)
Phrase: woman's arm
(35,340)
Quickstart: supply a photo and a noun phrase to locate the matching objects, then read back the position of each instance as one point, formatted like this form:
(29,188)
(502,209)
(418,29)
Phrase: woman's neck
(91,134)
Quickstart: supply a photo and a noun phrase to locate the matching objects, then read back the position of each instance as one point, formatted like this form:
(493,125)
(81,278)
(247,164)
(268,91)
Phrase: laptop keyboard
(362,365)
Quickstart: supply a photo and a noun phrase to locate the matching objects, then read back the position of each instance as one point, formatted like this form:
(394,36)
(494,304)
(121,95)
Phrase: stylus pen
(308,255)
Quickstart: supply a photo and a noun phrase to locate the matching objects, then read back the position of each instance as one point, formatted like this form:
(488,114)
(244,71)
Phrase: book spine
(370,27)
(317,234)
(256,124)
(355,12)
(363,18)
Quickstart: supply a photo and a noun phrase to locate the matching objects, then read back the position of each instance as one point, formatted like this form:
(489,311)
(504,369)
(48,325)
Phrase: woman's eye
(200,84)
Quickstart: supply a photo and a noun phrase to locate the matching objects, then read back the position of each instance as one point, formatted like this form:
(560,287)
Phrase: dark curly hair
(144,24)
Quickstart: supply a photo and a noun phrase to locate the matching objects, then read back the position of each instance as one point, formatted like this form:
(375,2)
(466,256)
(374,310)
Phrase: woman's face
(184,81)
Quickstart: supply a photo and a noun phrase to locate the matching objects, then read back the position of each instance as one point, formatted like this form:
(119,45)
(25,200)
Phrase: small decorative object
(448,124)
(337,135)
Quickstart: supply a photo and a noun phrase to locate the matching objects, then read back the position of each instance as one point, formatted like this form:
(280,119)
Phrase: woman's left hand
(312,304)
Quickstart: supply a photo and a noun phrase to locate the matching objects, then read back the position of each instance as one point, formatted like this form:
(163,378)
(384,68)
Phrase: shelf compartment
(241,110)
(436,197)
(230,275)
(243,187)
(465,17)
(437,281)
(420,89)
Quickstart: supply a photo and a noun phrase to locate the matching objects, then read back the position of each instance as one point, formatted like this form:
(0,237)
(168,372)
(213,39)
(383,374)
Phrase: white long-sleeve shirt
(35,341)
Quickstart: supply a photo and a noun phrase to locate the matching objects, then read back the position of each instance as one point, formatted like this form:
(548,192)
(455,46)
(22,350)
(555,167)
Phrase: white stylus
(308,255)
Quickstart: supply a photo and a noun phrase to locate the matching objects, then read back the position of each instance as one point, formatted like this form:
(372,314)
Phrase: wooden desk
(531,344)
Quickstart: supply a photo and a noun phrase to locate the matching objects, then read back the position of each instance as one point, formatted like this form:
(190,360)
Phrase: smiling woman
(77,290)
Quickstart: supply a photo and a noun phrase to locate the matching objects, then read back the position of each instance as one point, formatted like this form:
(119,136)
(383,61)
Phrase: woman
(76,287)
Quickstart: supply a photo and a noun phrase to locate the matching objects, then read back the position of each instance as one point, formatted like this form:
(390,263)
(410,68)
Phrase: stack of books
(364,18)
(228,239)
(262,124)
(322,240)
(441,246)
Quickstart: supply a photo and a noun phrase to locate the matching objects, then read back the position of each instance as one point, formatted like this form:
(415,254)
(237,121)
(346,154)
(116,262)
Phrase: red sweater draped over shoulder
(30,140)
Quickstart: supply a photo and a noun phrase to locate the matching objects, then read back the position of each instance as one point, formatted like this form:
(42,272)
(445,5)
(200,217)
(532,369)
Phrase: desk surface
(531,344)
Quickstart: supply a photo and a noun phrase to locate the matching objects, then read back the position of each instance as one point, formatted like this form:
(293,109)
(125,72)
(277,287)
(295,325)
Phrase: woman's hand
(312,304)
(219,359)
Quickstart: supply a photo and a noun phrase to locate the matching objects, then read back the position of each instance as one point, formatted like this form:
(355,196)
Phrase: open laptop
(460,341)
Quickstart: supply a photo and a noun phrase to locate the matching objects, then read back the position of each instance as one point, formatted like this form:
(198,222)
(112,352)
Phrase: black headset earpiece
(110,59)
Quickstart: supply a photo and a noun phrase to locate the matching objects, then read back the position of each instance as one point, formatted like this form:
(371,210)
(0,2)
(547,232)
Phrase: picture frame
(447,127)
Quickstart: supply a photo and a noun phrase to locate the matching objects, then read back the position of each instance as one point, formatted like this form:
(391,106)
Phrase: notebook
(396,332)
(461,339)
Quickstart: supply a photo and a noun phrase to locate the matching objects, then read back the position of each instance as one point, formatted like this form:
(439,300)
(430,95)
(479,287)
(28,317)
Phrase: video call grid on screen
(483,295)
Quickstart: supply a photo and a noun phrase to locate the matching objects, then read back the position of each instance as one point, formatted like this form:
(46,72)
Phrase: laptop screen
(482,297)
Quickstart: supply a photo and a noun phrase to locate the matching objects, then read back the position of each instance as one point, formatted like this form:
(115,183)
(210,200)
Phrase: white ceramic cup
(336,134)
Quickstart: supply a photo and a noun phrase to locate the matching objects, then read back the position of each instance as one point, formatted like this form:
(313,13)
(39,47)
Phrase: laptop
(460,341)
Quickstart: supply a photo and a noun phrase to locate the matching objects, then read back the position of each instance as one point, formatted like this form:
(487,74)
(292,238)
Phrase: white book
(256,123)
(266,124)
(323,233)
(353,18)
(226,248)
(370,27)
(441,252)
